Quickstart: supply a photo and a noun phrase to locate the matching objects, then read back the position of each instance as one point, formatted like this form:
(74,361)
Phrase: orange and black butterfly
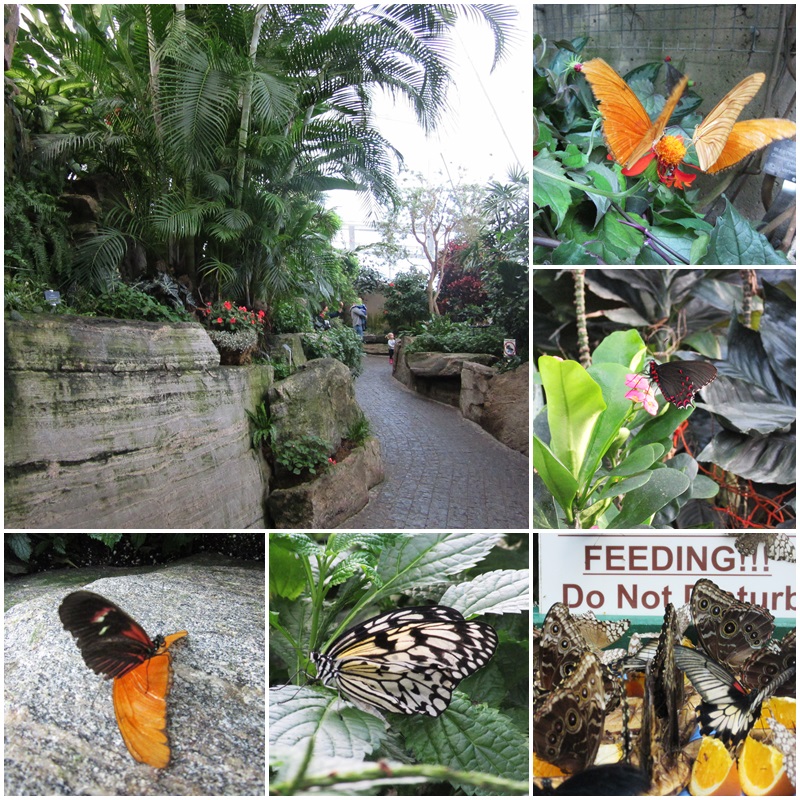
(116,646)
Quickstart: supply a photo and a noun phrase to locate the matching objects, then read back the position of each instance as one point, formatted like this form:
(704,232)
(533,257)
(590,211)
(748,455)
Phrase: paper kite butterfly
(116,646)
(407,661)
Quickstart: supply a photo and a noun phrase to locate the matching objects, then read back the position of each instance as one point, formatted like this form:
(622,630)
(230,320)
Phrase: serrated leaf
(470,738)
(296,542)
(427,558)
(502,591)
(298,714)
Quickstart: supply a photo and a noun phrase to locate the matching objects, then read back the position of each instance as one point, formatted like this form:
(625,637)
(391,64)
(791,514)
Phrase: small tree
(405,300)
(434,215)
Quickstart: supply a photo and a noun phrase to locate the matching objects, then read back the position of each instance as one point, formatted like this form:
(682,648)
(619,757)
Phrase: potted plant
(234,330)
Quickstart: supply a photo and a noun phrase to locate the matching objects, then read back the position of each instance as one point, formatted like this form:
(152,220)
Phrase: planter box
(341,491)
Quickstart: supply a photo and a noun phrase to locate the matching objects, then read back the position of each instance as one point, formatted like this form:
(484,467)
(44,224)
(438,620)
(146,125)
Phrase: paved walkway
(442,471)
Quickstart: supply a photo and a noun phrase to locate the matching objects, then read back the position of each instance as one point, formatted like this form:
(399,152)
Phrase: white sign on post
(637,574)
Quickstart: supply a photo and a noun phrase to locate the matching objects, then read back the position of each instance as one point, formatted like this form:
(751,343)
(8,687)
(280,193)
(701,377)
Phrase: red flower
(232,320)
(669,152)
(220,320)
(261,315)
(227,305)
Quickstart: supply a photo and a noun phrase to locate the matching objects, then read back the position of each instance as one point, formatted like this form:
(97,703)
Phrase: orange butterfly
(140,704)
(720,141)
(113,644)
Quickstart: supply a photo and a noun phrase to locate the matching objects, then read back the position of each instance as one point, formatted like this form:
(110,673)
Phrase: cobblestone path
(442,471)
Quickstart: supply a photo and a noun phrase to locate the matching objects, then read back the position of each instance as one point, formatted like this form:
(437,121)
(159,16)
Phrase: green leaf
(504,591)
(428,558)
(469,738)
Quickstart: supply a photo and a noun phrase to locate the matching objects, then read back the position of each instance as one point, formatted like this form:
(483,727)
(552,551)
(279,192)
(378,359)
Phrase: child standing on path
(391,342)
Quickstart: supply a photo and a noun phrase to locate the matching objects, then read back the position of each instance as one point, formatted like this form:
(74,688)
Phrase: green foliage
(359,431)
(128,302)
(26,294)
(308,452)
(37,240)
(340,342)
(406,301)
(282,368)
(443,336)
(290,316)
(263,426)
(369,280)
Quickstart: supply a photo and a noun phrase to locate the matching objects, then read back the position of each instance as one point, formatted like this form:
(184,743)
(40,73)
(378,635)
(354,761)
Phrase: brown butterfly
(764,664)
(729,630)
(568,722)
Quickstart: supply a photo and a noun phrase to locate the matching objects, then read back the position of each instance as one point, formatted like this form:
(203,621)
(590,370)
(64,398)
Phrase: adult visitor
(358,314)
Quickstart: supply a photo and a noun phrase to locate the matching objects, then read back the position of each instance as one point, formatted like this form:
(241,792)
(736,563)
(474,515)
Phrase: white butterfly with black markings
(407,661)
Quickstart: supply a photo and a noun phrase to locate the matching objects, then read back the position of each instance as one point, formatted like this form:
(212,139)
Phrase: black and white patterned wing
(407,661)
(728,711)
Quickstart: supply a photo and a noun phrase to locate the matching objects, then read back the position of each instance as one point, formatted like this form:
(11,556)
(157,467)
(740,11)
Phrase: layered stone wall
(116,424)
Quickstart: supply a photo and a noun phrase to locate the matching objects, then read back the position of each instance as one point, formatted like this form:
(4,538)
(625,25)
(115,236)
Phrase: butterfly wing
(140,705)
(568,723)
(727,710)
(712,133)
(561,647)
(729,630)
(748,136)
(111,642)
(679,381)
(627,129)
(765,664)
(407,661)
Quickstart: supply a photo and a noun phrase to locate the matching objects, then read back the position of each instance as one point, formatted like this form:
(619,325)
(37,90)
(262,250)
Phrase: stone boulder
(338,493)
(498,402)
(318,399)
(281,346)
(438,375)
(444,365)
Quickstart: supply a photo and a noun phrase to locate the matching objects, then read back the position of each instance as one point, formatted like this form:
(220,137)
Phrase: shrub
(359,431)
(263,427)
(290,316)
(306,453)
(225,316)
(443,336)
(406,302)
(339,342)
(128,302)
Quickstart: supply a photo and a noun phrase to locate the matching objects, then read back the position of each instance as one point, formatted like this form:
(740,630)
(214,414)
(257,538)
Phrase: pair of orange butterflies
(719,140)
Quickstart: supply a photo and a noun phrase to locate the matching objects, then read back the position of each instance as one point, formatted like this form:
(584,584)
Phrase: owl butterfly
(560,647)
(564,637)
(764,664)
(777,544)
(729,631)
(568,722)
(720,141)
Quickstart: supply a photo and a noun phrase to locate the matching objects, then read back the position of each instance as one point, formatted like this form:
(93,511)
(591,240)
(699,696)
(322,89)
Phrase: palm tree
(220,124)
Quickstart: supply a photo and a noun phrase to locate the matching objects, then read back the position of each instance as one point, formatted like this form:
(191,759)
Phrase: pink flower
(331,461)
(641,391)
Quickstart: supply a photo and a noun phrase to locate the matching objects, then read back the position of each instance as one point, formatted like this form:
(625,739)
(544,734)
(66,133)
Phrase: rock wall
(498,402)
(116,424)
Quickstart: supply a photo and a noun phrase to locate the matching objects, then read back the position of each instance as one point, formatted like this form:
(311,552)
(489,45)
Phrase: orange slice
(714,771)
(761,770)
(784,709)
(544,769)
